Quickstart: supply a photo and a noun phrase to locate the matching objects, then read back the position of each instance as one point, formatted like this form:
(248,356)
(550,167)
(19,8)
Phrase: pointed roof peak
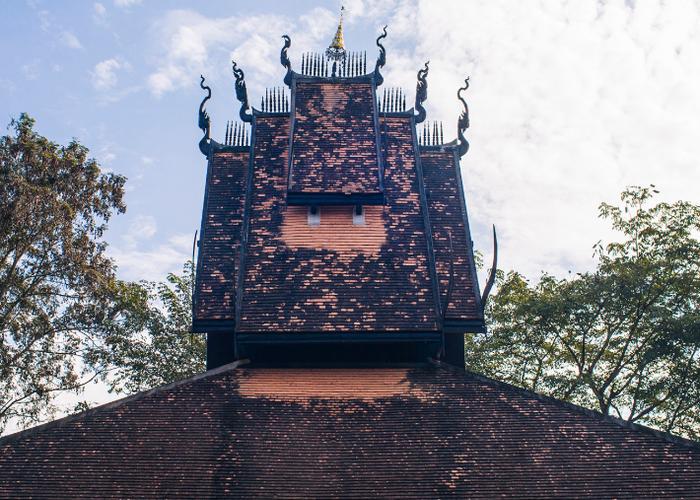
(336,50)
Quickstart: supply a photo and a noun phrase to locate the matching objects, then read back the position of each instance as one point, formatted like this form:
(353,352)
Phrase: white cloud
(192,44)
(104,75)
(147,160)
(45,20)
(144,261)
(569,103)
(70,40)
(99,13)
(126,3)
(30,70)
(143,227)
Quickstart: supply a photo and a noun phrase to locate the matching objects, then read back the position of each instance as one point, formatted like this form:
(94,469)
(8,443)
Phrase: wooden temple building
(335,283)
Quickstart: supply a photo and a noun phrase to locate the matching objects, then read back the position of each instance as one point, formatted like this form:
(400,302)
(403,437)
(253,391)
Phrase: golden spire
(336,50)
(337,42)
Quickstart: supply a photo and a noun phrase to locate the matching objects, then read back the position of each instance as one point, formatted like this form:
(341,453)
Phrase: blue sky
(570,102)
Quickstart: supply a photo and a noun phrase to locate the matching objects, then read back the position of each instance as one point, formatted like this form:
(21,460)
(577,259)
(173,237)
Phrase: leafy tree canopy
(55,278)
(65,320)
(623,339)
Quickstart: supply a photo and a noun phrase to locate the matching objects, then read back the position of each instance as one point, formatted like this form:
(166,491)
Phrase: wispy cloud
(30,70)
(70,40)
(126,3)
(149,260)
(104,74)
(99,13)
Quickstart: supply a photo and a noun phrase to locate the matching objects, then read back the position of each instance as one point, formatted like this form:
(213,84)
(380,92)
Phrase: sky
(570,102)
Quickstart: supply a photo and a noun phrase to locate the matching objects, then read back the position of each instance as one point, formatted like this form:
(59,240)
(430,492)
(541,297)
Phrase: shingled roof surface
(219,250)
(448,217)
(334,141)
(336,277)
(416,432)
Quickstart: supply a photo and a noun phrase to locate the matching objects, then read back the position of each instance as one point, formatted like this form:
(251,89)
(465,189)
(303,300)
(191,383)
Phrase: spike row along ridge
(275,100)
(317,64)
(236,134)
(393,100)
(432,134)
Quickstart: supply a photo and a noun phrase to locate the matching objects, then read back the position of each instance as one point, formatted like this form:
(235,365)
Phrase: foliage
(55,278)
(150,344)
(625,338)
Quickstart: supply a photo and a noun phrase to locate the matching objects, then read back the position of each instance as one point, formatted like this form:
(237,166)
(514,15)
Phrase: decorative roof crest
(204,122)
(381,60)
(242,93)
(284,59)
(421,92)
(463,122)
(492,271)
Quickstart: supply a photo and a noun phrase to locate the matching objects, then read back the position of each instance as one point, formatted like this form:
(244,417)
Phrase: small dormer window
(314,215)
(358,215)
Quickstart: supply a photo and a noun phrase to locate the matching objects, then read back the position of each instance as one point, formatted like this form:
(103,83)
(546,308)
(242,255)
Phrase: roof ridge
(666,436)
(119,402)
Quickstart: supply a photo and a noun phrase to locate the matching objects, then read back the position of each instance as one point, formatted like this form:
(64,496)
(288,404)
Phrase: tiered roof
(336,143)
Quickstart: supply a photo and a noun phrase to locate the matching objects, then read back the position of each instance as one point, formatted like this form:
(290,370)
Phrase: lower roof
(425,431)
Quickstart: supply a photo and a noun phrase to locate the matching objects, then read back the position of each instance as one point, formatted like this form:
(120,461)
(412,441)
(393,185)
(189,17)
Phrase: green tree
(623,339)
(150,343)
(55,279)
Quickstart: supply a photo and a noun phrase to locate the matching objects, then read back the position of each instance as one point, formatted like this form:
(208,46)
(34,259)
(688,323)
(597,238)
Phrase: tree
(150,343)
(55,280)
(623,339)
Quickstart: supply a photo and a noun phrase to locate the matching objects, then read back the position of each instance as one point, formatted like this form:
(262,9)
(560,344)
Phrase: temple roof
(421,431)
(332,214)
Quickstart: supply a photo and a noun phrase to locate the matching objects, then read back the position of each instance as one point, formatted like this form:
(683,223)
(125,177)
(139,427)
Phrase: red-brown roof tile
(421,432)
(334,141)
(219,249)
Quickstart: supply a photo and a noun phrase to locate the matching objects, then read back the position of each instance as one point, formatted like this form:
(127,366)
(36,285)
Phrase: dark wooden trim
(213,325)
(467,230)
(452,326)
(426,222)
(331,337)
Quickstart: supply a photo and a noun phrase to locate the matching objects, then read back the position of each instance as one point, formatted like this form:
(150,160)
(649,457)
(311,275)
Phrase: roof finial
(336,50)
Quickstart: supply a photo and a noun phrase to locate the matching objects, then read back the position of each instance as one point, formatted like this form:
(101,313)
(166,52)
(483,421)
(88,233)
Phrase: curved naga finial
(284,60)
(421,92)
(204,119)
(242,93)
(492,272)
(463,122)
(381,60)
